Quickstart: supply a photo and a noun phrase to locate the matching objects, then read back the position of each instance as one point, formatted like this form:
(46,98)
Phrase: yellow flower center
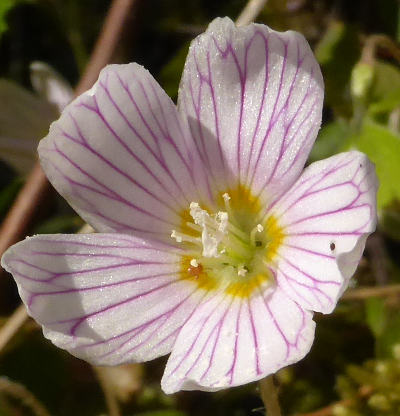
(231,248)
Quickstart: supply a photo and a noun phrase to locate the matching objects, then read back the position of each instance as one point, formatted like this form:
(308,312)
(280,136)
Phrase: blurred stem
(107,42)
(109,395)
(250,12)
(269,396)
(12,326)
(369,292)
(25,397)
(373,42)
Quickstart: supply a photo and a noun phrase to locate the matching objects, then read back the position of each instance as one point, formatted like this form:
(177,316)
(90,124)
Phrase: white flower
(214,245)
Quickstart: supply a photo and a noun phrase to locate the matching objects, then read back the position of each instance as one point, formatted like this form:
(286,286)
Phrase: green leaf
(170,74)
(386,81)
(337,52)
(5,7)
(332,139)
(387,104)
(8,194)
(59,224)
(390,337)
(383,147)
(375,315)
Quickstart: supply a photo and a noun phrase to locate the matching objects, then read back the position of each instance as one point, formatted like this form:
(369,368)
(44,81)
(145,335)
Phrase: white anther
(194,263)
(242,271)
(199,215)
(226,197)
(177,237)
(222,219)
(260,228)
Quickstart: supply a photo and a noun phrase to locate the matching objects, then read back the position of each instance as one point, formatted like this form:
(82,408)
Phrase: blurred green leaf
(383,147)
(8,194)
(5,7)
(389,337)
(387,104)
(375,315)
(60,224)
(171,73)
(386,81)
(331,139)
(337,52)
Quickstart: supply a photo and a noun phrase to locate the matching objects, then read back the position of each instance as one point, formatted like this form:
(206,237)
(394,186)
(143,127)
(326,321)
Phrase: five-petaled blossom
(214,244)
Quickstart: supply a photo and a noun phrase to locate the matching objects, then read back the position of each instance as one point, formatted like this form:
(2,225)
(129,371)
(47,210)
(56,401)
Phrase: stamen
(193,226)
(176,236)
(242,271)
(181,237)
(213,229)
(222,220)
(257,229)
(227,198)
(194,263)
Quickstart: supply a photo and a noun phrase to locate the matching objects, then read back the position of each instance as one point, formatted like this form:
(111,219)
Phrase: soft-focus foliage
(356,348)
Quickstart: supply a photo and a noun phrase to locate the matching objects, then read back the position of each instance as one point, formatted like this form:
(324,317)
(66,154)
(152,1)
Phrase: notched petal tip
(327,216)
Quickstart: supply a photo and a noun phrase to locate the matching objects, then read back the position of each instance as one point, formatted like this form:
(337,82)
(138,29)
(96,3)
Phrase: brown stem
(36,187)
(269,396)
(250,12)
(23,209)
(110,36)
(373,42)
(24,396)
(109,394)
(369,292)
(12,326)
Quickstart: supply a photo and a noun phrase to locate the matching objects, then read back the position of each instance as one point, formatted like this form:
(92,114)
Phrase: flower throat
(229,249)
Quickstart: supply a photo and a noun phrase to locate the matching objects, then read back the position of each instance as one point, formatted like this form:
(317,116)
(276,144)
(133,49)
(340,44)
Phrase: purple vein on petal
(82,319)
(108,162)
(144,143)
(270,125)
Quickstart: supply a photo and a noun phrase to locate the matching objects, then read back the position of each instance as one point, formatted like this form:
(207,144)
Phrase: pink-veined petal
(230,341)
(106,298)
(253,99)
(327,216)
(121,157)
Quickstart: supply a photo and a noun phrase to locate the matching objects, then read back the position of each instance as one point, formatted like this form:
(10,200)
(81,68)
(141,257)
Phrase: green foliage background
(355,360)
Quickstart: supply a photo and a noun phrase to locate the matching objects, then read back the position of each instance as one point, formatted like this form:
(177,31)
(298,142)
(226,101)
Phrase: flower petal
(24,119)
(253,98)
(326,216)
(230,341)
(50,85)
(106,298)
(120,156)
